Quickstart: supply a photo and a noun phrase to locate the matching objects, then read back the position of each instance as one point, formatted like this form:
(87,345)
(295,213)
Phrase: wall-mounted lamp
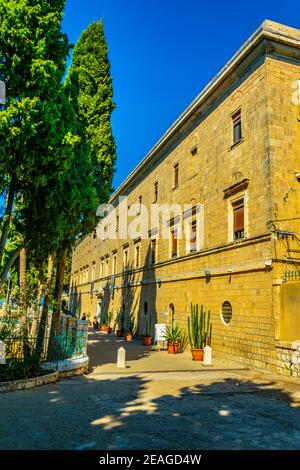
(268,263)
(298,176)
(207,275)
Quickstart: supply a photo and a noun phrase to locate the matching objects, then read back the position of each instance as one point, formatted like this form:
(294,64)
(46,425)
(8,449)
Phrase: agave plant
(173,334)
(199,328)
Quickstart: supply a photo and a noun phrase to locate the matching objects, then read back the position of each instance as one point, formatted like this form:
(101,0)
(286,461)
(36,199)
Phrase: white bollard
(121,357)
(2,353)
(207,360)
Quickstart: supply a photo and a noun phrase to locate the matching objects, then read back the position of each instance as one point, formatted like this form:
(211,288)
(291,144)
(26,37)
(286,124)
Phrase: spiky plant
(199,327)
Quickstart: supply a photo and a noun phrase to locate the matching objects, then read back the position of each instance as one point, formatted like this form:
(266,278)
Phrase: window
(107,267)
(155,192)
(193,235)
(145,308)
(176,175)
(174,243)
(238,219)
(114,269)
(140,204)
(117,223)
(194,151)
(125,259)
(226,312)
(93,271)
(102,269)
(137,256)
(237,127)
(153,251)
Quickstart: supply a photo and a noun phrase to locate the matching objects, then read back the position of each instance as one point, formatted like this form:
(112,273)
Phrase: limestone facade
(235,151)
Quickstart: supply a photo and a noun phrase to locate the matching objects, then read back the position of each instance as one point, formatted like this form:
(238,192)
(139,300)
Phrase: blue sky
(163,52)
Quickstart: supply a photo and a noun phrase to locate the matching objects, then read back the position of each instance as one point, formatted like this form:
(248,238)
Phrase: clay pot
(128,336)
(173,348)
(197,354)
(104,328)
(109,330)
(147,340)
(119,333)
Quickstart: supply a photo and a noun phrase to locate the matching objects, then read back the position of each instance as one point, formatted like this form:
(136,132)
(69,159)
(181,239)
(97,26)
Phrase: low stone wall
(33,382)
(67,368)
(285,366)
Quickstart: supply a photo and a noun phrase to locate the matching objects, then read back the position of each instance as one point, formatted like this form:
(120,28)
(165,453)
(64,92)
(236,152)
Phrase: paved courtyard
(215,408)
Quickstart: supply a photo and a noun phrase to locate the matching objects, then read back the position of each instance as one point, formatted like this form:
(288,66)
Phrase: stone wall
(242,272)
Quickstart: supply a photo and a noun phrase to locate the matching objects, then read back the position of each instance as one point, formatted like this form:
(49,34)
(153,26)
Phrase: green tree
(89,89)
(33,53)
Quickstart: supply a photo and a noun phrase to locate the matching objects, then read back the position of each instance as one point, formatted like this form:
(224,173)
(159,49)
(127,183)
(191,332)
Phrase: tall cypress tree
(89,86)
(89,89)
(34,142)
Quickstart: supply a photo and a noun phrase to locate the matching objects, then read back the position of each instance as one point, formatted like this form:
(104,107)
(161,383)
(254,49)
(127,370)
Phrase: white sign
(2,353)
(160,332)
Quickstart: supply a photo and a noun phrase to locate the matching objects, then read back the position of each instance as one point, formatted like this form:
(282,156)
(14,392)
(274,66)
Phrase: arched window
(146,308)
(226,312)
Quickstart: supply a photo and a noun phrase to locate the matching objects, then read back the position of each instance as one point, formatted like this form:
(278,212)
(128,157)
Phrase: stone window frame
(93,271)
(114,263)
(188,217)
(175,175)
(137,255)
(236,196)
(221,313)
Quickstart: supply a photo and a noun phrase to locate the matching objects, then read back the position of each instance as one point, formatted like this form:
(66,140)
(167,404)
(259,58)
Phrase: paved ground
(197,409)
(103,348)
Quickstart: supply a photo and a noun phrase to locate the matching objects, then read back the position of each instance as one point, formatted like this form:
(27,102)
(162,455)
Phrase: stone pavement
(102,351)
(194,409)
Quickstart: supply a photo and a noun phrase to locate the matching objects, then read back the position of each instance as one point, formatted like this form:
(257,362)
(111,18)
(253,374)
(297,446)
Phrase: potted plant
(109,319)
(147,338)
(173,338)
(128,332)
(199,331)
(119,322)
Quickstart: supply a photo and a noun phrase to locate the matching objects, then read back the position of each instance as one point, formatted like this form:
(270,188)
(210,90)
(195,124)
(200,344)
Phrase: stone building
(231,163)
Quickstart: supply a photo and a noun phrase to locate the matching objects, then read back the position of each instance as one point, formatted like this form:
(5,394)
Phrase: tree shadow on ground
(144,412)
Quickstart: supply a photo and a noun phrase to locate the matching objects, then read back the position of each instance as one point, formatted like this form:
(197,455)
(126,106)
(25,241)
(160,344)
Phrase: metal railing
(48,349)
(293,275)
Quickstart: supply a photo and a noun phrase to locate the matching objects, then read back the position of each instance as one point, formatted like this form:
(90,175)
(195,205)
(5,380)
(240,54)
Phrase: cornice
(268,35)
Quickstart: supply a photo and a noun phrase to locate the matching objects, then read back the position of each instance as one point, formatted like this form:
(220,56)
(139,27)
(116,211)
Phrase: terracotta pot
(103,328)
(147,340)
(197,354)
(173,348)
(128,336)
(109,330)
(119,333)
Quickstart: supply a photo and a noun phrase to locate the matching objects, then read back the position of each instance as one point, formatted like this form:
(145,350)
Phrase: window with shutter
(176,175)
(155,191)
(237,127)
(153,251)
(238,219)
(193,235)
(174,244)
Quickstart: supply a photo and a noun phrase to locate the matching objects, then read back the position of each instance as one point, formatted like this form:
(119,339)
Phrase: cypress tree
(34,142)
(89,90)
